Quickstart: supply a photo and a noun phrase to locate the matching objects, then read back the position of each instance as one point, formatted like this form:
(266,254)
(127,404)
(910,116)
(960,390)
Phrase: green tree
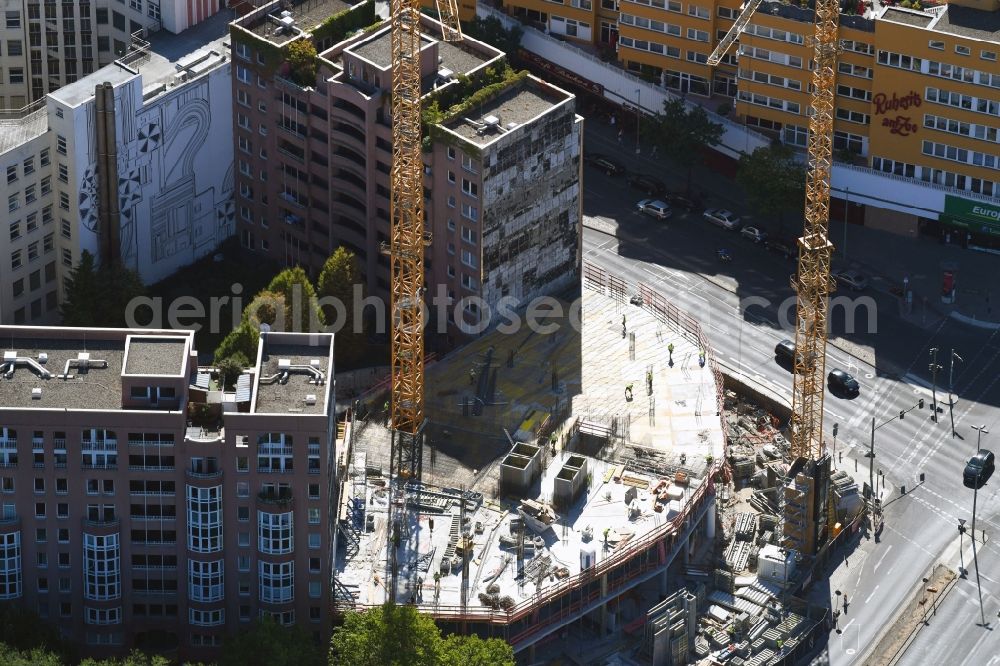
(336,285)
(135,658)
(302,62)
(681,135)
(491,31)
(267,643)
(386,636)
(474,651)
(22,630)
(301,310)
(99,295)
(231,367)
(264,309)
(37,657)
(241,340)
(774,181)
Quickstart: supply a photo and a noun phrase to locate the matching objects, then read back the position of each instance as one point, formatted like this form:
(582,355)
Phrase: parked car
(786,247)
(843,383)
(645,183)
(678,200)
(979,469)
(604,163)
(753,233)
(852,279)
(723,218)
(654,208)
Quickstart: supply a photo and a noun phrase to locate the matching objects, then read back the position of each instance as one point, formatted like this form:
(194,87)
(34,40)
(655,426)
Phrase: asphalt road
(747,306)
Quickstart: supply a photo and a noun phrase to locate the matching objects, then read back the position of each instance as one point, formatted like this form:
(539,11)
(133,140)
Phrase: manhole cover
(869,375)
(849,650)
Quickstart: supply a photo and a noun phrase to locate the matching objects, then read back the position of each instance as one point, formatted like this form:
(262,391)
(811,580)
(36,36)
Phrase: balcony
(102,445)
(203,475)
(11,521)
(100,466)
(282,497)
(149,519)
(108,522)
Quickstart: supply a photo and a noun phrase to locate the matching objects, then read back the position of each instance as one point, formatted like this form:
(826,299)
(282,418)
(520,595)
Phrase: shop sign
(900,124)
(973,215)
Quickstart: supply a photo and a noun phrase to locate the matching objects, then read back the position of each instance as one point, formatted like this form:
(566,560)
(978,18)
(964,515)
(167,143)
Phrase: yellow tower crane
(408,238)
(812,283)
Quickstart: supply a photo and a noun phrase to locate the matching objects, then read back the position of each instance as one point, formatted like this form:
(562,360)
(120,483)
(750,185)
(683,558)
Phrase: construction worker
(670,349)
(701,357)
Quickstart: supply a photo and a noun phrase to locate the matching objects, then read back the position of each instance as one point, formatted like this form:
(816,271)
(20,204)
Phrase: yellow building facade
(918,91)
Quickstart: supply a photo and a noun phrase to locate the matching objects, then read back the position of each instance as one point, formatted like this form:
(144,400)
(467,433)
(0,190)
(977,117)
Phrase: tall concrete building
(44,46)
(145,506)
(313,150)
(170,175)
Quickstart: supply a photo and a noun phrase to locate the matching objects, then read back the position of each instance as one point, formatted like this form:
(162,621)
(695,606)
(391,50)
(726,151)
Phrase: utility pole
(934,367)
(975,557)
(961,555)
(951,389)
(980,430)
(871,463)
(638,117)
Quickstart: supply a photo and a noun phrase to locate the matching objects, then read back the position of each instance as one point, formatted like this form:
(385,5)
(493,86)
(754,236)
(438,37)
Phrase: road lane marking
(848,625)
(872,594)
(882,558)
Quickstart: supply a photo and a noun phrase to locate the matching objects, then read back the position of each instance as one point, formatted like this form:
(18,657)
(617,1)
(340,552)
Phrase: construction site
(595,480)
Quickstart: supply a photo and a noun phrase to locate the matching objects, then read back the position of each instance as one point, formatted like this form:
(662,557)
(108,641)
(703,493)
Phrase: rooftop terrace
(516,106)
(290,374)
(460,58)
(969,22)
(306,15)
(17,131)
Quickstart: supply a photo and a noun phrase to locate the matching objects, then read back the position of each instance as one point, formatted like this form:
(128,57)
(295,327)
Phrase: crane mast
(408,239)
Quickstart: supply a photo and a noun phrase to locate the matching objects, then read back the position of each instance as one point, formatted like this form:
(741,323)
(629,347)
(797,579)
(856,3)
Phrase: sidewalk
(885,257)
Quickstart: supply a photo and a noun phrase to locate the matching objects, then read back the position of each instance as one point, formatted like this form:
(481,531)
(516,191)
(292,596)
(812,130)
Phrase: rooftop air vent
(285,13)
(9,356)
(491,122)
(36,394)
(83,360)
(314,363)
(43,357)
(284,364)
(511,126)
(311,399)
(445,74)
(287,22)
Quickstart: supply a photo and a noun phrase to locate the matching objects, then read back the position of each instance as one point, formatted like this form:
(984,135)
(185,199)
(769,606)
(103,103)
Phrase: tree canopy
(336,285)
(98,295)
(241,340)
(774,181)
(400,636)
(680,135)
(301,310)
(267,643)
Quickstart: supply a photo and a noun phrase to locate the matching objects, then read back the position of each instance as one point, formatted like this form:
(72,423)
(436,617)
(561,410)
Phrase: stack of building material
(745,526)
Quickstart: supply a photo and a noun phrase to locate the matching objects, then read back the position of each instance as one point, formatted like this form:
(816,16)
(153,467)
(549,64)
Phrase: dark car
(683,201)
(979,469)
(605,164)
(784,352)
(786,247)
(648,184)
(842,383)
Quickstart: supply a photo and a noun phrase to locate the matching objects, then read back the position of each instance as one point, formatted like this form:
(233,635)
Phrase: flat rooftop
(458,57)
(915,18)
(194,52)
(969,22)
(519,105)
(95,388)
(307,15)
(279,394)
(155,356)
(18,131)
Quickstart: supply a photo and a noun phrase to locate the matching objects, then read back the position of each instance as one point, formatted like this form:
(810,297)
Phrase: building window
(936,45)
(470,212)
(10,560)
(104,615)
(204,509)
(12,174)
(275,533)
(207,618)
(985,55)
(205,580)
(60,144)
(277,581)
(962,50)
(102,567)
(700,12)
(470,188)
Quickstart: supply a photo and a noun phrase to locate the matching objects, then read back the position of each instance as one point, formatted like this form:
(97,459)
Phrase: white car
(754,234)
(655,208)
(723,218)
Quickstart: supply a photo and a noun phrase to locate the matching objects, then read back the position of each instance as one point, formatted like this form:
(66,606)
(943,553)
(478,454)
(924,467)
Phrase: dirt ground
(912,616)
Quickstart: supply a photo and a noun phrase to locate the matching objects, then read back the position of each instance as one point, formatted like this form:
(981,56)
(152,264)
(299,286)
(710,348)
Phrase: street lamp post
(934,367)
(980,431)
(638,117)
(961,554)
(871,450)
(951,388)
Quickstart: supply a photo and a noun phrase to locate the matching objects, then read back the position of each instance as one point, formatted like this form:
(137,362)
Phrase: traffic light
(902,414)
(920,403)
(836,427)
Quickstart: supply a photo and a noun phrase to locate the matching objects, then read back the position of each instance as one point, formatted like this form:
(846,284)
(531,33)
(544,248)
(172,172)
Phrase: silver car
(655,208)
(855,280)
(723,218)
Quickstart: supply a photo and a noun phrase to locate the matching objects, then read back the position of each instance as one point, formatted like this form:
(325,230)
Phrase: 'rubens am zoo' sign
(901,125)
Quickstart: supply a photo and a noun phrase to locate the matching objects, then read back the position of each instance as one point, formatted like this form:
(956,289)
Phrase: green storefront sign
(975,216)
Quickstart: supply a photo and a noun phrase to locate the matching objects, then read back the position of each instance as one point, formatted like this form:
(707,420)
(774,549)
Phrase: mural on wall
(175,180)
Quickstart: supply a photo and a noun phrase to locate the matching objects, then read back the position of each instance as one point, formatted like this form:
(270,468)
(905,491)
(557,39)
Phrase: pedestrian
(621,135)
(613,120)
(670,349)
(628,391)
(654,151)
(472,376)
